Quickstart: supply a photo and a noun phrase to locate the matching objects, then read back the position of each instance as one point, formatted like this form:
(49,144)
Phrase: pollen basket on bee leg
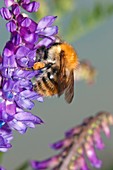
(38,65)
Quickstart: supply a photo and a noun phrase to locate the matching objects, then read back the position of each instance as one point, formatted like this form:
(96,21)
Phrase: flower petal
(8,3)
(27,116)
(31,7)
(46,22)
(5,13)
(11,26)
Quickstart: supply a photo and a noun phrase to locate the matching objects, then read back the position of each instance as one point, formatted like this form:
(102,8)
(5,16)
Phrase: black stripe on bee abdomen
(46,84)
(49,80)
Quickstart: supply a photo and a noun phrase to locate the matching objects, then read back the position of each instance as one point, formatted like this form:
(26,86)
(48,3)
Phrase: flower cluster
(16,61)
(78,142)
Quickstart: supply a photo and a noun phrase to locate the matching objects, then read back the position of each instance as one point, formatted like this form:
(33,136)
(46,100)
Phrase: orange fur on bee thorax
(71,57)
(38,65)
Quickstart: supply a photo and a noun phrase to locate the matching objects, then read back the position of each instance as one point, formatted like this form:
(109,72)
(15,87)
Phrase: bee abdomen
(46,85)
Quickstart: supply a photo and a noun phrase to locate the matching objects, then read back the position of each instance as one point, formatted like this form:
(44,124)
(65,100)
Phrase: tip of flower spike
(73,148)
(73,131)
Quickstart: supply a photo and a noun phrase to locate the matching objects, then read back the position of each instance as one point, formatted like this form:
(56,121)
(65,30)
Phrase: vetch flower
(22,120)
(78,142)
(16,62)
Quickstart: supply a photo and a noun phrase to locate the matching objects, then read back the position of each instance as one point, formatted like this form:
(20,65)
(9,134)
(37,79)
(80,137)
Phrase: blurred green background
(88,26)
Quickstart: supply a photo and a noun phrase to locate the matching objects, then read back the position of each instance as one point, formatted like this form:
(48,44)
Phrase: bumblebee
(57,64)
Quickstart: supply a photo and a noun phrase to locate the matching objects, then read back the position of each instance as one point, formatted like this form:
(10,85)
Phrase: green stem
(24,166)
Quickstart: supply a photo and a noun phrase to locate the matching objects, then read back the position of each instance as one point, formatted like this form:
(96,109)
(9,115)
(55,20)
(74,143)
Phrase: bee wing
(69,92)
(61,77)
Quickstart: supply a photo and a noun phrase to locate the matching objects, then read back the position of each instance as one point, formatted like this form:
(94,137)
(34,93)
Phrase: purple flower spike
(78,142)
(17,75)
